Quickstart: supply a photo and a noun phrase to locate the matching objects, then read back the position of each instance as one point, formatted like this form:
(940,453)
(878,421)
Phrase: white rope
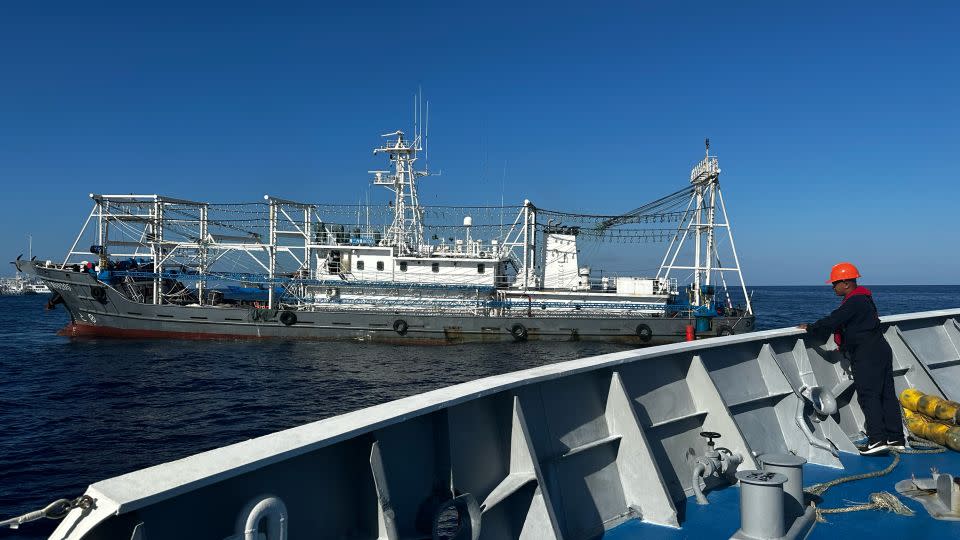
(878,501)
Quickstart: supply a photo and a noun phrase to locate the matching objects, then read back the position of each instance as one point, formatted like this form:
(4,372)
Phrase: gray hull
(111,313)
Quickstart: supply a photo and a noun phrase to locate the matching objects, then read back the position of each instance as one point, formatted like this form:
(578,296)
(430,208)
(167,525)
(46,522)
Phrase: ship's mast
(406,231)
(700,220)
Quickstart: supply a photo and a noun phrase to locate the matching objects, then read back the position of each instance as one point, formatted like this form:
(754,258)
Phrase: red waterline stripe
(89,330)
(82,330)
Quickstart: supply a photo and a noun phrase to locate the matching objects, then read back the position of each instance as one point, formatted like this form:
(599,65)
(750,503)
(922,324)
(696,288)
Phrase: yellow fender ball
(909,398)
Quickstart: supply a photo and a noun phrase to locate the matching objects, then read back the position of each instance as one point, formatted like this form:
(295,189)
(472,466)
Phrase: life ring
(519,332)
(400,326)
(724,330)
(288,318)
(644,333)
(99,294)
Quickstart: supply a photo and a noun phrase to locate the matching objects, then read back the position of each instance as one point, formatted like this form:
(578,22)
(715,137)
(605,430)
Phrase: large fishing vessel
(396,272)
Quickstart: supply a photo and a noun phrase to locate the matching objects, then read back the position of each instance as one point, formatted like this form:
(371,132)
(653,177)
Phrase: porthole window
(403,266)
(380,265)
(436,267)
(359,265)
(481,268)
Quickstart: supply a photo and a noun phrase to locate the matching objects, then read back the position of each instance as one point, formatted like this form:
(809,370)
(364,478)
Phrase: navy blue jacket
(856,320)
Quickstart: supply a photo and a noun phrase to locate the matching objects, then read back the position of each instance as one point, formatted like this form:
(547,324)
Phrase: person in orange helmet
(855,326)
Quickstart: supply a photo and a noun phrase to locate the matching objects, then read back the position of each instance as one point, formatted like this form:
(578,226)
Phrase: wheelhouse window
(403,266)
(481,268)
(359,265)
(380,265)
(436,267)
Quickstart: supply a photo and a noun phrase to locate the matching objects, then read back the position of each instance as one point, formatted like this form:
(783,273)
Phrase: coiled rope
(919,445)
(881,500)
(878,501)
(821,488)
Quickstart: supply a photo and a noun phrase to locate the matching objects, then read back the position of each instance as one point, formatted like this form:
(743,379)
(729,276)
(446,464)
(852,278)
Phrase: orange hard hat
(842,271)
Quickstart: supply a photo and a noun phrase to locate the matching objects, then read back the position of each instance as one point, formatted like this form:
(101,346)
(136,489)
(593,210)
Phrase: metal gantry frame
(169,233)
(282,213)
(700,219)
(522,234)
(149,234)
(159,229)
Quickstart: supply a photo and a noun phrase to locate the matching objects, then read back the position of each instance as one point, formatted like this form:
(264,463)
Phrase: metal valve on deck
(716,462)
(710,436)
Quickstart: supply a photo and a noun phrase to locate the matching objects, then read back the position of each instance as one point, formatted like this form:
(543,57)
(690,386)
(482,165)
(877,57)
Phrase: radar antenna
(406,230)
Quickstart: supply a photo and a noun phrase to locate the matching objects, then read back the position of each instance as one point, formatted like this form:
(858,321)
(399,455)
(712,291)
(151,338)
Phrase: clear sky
(835,122)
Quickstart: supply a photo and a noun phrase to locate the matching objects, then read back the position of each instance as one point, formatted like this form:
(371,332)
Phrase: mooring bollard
(761,505)
(790,466)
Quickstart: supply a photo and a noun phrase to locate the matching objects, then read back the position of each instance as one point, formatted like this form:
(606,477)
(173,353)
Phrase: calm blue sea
(76,411)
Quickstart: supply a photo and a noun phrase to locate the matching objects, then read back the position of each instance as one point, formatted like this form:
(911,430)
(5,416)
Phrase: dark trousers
(873,379)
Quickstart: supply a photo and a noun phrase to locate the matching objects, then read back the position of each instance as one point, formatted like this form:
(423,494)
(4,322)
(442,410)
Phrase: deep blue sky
(835,122)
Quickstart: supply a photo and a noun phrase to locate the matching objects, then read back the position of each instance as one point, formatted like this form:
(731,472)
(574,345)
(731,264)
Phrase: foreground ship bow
(614,446)
(393,273)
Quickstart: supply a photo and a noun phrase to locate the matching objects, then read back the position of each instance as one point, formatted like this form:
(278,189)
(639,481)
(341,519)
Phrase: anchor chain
(58,509)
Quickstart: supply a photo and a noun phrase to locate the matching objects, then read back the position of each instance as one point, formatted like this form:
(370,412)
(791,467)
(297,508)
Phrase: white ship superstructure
(19,285)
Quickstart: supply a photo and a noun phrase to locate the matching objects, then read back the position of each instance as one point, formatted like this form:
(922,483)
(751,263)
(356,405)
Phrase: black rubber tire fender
(288,318)
(724,330)
(400,326)
(644,333)
(99,294)
(519,332)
